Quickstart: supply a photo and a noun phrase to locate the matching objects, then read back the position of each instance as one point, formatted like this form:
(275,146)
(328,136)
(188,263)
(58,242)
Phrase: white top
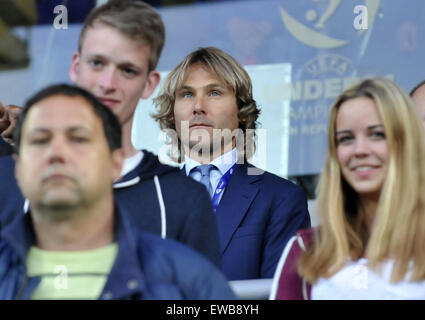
(223,163)
(356,281)
(131,163)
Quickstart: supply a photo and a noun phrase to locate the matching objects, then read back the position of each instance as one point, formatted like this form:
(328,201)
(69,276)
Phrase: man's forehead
(214,78)
(61,110)
(95,42)
(61,101)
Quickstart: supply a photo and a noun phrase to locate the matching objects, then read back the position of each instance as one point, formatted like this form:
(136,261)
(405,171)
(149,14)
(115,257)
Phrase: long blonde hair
(398,231)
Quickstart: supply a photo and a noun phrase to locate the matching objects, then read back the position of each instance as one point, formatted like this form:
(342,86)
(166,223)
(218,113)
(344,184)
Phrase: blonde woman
(370,244)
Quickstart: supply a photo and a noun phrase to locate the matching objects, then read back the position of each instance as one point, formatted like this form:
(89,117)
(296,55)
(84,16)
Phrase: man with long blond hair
(370,200)
(206,106)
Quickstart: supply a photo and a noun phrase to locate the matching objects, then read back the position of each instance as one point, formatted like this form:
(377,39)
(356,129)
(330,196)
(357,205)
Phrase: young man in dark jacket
(119,47)
(76,242)
(208,100)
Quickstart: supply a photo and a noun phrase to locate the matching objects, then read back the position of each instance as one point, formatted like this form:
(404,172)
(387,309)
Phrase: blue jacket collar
(126,279)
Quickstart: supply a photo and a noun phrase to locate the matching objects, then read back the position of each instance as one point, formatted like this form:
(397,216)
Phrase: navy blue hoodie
(159,198)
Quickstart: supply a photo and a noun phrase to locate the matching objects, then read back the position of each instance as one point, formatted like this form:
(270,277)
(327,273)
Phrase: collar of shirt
(131,163)
(223,164)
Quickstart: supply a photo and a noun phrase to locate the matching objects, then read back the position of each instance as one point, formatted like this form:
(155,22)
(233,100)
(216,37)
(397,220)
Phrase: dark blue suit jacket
(256,217)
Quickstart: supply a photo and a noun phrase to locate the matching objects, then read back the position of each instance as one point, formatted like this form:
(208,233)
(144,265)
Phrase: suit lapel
(238,196)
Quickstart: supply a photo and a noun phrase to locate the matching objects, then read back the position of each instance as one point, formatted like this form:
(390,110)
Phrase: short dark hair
(111,125)
(420,84)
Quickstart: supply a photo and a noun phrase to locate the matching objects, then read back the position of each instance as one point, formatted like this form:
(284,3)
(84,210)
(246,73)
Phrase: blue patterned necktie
(205,170)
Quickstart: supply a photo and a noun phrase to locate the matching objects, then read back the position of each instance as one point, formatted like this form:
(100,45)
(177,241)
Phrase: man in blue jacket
(119,48)
(208,100)
(76,242)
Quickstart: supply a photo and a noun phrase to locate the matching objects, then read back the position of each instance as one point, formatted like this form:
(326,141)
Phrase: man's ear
(151,83)
(74,69)
(117,163)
